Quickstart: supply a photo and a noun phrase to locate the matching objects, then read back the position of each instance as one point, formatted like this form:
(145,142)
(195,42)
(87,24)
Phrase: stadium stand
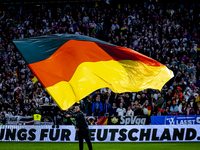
(167,32)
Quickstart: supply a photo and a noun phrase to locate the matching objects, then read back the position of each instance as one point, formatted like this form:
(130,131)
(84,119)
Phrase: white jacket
(121,111)
(130,113)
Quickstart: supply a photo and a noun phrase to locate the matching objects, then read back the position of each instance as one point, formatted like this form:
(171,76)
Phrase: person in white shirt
(129,112)
(113,27)
(186,94)
(184,40)
(37,100)
(30,30)
(85,18)
(44,98)
(71,28)
(27,100)
(156,94)
(175,40)
(151,6)
(121,111)
(145,111)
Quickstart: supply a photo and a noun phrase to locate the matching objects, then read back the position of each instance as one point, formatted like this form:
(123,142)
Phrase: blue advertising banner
(175,120)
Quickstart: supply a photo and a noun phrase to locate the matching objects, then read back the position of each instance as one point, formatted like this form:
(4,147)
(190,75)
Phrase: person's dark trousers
(88,112)
(84,134)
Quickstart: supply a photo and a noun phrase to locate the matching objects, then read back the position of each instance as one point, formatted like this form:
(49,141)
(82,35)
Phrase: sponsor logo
(133,120)
(182,120)
(114,120)
(170,120)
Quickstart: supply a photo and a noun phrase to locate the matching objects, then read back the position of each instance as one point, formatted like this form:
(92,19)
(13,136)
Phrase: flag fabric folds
(102,121)
(72,66)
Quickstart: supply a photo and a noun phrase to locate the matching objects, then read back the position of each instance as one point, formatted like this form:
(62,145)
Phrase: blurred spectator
(154,109)
(198,82)
(145,110)
(18,111)
(178,101)
(146,104)
(3,119)
(82,106)
(179,93)
(88,106)
(186,94)
(129,112)
(113,111)
(160,100)
(152,99)
(189,110)
(44,99)
(174,108)
(166,111)
(138,112)
(182,107)
(35,110)
(107,108)
(26,111)
(123,102)
(121,110)
(169,95)
(132,106)
(97,107)
(198,110)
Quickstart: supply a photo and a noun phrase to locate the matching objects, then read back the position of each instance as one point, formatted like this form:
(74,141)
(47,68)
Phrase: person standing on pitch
(81,127)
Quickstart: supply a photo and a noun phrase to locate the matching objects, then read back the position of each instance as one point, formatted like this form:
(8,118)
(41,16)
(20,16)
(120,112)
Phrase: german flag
(33,78)
(149,109)
(102,121)
(71,67)
(198,47)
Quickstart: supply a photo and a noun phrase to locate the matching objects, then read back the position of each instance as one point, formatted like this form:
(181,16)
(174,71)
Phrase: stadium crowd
(167,33)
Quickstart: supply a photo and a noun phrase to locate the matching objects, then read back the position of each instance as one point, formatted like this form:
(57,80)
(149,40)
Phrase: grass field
(98,146)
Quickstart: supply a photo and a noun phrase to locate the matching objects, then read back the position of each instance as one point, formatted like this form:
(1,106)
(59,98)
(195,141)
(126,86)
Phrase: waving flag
(72,66)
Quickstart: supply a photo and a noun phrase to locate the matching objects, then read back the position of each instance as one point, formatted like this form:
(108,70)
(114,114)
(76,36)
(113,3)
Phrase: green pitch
(97,146)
